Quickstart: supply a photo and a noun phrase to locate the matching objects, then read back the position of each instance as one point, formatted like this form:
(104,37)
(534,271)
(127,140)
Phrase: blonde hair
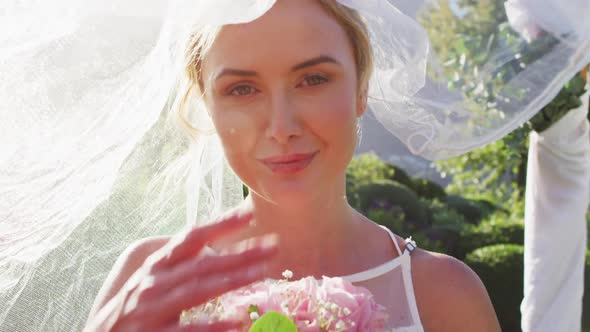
(201,41)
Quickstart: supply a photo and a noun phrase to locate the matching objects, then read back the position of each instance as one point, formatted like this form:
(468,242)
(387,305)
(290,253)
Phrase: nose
(284,122)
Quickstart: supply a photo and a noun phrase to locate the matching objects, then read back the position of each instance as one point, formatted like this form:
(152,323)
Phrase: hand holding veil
(90,162)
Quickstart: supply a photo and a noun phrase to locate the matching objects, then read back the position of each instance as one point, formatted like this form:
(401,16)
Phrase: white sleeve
(558,17)
(557,197)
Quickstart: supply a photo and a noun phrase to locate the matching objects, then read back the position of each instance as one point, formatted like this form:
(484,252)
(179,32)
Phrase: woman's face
(282,94)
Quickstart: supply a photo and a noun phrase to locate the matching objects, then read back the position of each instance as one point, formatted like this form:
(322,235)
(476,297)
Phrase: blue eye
(242,90)
(315,80)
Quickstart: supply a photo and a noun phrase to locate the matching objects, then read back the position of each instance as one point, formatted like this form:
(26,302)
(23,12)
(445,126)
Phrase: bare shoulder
(450,296)
(125,266)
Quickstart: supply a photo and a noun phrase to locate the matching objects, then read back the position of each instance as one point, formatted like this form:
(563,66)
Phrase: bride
(285,93)
(269,93)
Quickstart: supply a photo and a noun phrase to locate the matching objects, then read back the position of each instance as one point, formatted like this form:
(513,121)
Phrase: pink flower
(263,295)
(357,303)
(331,304)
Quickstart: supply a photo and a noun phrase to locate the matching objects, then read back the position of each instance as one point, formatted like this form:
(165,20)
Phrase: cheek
(334,122)
(235,130)
(238,135)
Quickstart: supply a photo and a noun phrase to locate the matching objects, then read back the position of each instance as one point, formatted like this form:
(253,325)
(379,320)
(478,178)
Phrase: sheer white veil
(92,160)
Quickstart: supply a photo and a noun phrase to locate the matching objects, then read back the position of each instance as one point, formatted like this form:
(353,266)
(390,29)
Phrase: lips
(289,164)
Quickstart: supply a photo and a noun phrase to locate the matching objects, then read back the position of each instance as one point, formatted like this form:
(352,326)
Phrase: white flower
(254,316)
(209,307)
(288,274)
(340,325)
(285,307)
(333,307)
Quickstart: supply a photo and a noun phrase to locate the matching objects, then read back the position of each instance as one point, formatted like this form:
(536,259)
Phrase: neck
(317,236)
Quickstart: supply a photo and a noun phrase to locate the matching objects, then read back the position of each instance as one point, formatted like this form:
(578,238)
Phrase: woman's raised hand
(178,277)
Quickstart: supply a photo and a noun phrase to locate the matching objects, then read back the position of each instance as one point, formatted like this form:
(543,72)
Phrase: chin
(298,188)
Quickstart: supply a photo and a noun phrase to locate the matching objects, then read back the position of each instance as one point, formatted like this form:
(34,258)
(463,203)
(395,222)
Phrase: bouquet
(305,305)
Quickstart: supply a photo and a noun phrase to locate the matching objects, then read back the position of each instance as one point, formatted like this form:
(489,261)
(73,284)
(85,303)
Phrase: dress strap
(376,271)
(392,236)
(409,285)
(383,268)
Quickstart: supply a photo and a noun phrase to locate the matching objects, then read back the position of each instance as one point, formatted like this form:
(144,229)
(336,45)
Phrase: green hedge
(445,226)
(500,267)
(394,219)
(368,168)
(497,230)
(428,189)
(387,194)
(397,174)
(473,210)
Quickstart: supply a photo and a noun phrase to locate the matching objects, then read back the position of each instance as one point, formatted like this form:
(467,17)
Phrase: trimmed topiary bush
(394,219)
(387,194)
(364,169)
(490,207)
(446,225)
(500,267)
(473,211)
(400,176)
(368,168)
(499,229)
(441,214)
(428,189)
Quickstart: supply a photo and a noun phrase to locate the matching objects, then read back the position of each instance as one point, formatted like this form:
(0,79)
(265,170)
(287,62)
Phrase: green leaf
(577,85)
(273,322)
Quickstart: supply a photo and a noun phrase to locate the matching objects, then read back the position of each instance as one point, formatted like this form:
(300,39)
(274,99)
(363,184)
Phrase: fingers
(199,291)
(225,264)
(177,277)
(192,242)
(198,280)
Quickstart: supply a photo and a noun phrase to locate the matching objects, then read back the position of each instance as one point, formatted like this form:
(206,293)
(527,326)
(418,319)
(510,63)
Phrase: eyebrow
(315,61)
(308,63)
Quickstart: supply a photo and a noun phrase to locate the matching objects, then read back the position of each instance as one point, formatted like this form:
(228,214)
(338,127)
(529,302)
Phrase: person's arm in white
(557,197)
